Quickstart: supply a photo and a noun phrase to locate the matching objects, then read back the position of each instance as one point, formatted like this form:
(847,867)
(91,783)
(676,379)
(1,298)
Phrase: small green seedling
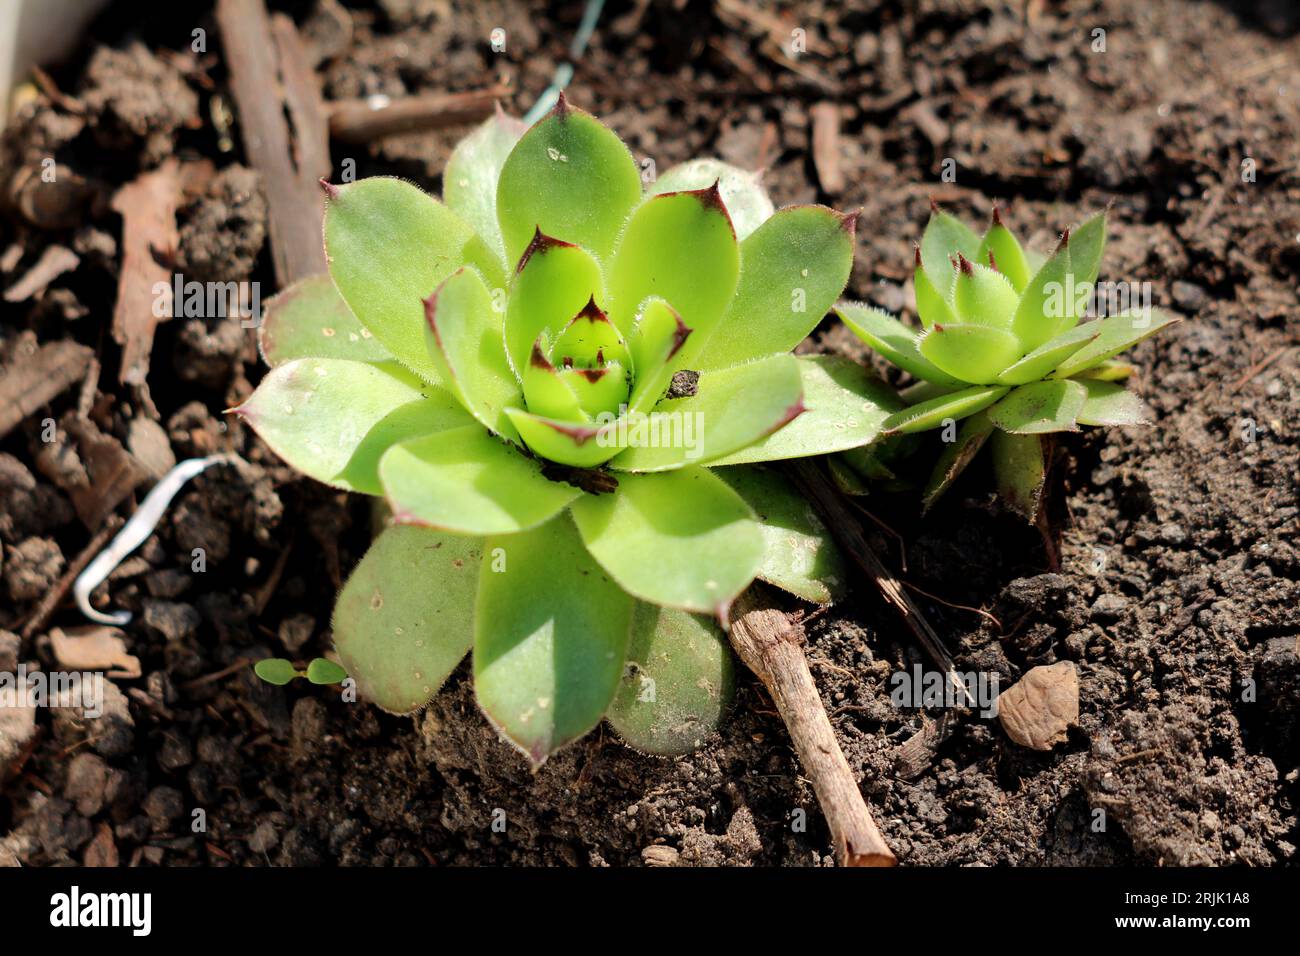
(278,671)
(561,384)
(1004,352)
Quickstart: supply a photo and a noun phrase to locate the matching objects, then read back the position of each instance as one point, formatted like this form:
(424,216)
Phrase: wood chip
(114,472)
(101,851)
(31,381)
(94,647)
(54,262)
(283,126)
(148,208)
(914,756)
(826,147)
(1038,711)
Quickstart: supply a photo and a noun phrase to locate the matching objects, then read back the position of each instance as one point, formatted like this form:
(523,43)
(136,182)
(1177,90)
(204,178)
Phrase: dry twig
(848,533)
(771,645)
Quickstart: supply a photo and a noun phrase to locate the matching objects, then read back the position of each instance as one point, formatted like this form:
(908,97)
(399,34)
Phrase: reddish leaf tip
(329,188)
(997,215)
(993,262)
(591,312)
(965,265)
(539,244)
(680,334)
(934,207)
(538,360)
(849,220)
(560,111)
(581,434)
(916,247)
(1065,240)
(593,375)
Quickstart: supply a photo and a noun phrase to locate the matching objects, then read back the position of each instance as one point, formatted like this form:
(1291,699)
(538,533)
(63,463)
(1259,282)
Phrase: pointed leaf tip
(538,360)
(849,220)
(934,206)
(965,265)
(329,188)
(711,198)
(997,215)
(540,243)
(1065,240)
(591,312)
(560,110)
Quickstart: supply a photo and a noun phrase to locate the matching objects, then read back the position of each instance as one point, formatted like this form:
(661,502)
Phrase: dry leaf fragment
(1037,711)
(94,648)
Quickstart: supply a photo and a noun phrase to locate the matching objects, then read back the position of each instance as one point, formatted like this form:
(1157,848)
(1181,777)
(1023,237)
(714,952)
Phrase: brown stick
(363,120)
(54,597)
(837,517)
(269,77)
(771,645)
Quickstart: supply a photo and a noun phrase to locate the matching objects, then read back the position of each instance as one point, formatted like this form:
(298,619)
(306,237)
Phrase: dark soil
(1177,594)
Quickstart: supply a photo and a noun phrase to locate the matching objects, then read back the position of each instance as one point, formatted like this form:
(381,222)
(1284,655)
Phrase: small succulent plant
(1004,352)
(560,382)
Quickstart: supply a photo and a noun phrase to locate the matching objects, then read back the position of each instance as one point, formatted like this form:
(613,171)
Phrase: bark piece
(283,126)
(114,472)
(29,382)
(148,208)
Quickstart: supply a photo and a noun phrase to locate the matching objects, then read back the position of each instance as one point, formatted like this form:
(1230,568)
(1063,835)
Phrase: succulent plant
(560,384)
(1004,352)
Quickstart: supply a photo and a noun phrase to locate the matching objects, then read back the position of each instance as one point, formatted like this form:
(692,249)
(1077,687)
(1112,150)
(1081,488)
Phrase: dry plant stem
(848,533)
(771,645)
(363,120)
(54,597)
(269,79)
